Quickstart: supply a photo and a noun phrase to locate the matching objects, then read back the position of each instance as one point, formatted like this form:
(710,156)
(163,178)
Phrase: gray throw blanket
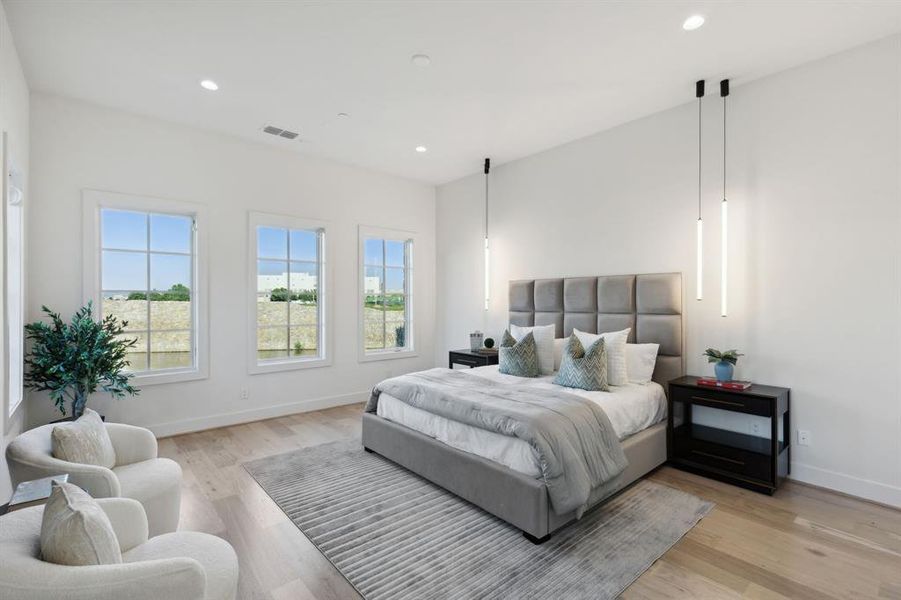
(576,445)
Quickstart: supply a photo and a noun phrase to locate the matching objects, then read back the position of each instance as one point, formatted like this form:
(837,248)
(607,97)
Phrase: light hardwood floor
(801,543)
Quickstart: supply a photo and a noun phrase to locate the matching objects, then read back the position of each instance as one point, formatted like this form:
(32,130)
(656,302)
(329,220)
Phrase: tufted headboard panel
(650,304)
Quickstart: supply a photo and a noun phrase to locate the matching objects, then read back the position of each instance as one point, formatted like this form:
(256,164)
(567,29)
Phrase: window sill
(386,355)
(151,378)
(256,368)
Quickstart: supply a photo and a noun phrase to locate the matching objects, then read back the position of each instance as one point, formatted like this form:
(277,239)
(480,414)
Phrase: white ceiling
(507,79)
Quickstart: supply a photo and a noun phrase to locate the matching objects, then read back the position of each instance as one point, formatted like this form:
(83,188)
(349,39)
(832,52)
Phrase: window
(146,274)
(288,293)
(14,283)
(386,260)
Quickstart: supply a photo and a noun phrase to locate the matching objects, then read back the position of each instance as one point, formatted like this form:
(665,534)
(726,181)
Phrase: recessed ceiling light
(209,84)
(421,60)
(693,22)
(421,149)
(343,115)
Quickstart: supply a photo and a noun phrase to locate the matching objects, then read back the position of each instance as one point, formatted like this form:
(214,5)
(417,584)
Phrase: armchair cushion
(75,531)
(132,444)
(128,519)
(84,441)
(156,484)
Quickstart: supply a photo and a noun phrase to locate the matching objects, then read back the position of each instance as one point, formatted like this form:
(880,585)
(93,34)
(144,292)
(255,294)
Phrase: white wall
(77,146)
(814,244)
(13,120)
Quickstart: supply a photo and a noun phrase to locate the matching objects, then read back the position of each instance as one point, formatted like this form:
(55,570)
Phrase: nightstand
(471,358)
(741,437)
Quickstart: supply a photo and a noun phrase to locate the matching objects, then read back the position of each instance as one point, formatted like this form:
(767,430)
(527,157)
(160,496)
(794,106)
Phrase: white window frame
(14,303)
(411,319)
(95,200)
(254,365)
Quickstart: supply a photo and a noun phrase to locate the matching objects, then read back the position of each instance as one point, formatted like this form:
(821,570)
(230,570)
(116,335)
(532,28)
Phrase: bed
(498,473)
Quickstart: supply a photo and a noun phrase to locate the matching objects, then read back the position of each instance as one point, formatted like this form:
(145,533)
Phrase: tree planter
(70,419)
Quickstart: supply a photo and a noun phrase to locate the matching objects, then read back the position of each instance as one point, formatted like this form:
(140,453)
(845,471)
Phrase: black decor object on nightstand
(471,358)
(740,437)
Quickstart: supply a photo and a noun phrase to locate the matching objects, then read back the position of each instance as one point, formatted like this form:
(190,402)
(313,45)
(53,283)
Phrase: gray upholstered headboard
(650,304)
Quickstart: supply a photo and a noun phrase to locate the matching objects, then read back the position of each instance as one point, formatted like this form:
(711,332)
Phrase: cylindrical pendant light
(724,284)
(487,253)
(699,93)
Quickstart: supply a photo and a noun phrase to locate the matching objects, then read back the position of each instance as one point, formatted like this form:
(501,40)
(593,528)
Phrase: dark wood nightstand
(741,437)
(471,358)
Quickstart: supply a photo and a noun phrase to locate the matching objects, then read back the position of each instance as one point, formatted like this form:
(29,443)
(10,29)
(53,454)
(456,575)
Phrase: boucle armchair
(138,472)
(184,565)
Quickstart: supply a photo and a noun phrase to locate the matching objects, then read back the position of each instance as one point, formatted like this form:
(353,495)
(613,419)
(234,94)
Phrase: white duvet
(631,408)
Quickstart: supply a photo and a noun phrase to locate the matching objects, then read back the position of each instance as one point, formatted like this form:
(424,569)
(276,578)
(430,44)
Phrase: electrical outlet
(244,394)
(755,429)
(803,437)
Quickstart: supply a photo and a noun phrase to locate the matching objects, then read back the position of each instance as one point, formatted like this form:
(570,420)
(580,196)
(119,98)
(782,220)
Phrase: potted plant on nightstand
(724,362)
(72,361)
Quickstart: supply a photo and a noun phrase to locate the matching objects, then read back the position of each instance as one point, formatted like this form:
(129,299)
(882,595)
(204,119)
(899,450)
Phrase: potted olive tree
(73,360)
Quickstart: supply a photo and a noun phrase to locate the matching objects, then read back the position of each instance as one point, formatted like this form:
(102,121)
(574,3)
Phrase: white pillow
(544,340)
(75,531)
(617,373)
(84,441)
(559,347)
(640,361)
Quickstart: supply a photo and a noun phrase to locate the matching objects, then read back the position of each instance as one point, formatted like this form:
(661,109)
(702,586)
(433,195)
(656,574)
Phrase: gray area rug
(395,535)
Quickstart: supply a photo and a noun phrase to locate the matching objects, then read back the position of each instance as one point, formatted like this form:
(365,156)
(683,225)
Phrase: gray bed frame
(650,304)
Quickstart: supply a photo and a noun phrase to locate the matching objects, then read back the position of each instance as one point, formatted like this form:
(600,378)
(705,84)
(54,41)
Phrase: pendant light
(699,93)
(724,284)
(487,257)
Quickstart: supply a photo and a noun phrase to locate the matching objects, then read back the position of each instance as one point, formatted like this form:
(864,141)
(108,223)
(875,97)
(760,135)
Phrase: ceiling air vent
(280,132)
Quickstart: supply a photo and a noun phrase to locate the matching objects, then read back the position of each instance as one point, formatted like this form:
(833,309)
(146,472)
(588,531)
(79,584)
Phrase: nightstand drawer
(726,458)
(471,358)
(462,359)
(716,398)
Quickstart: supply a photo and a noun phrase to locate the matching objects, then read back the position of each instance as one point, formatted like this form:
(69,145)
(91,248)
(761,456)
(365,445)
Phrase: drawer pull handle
(731,460)
(717,401)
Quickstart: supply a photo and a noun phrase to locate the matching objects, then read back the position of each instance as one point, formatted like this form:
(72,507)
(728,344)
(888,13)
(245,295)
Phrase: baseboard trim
(865,489)
(162,430)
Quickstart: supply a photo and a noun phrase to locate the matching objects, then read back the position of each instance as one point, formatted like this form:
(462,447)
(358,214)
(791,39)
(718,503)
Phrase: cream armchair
(184,565)
(138,473)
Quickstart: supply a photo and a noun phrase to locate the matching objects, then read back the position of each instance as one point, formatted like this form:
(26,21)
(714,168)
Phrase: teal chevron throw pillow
(519,358)
(585,370)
